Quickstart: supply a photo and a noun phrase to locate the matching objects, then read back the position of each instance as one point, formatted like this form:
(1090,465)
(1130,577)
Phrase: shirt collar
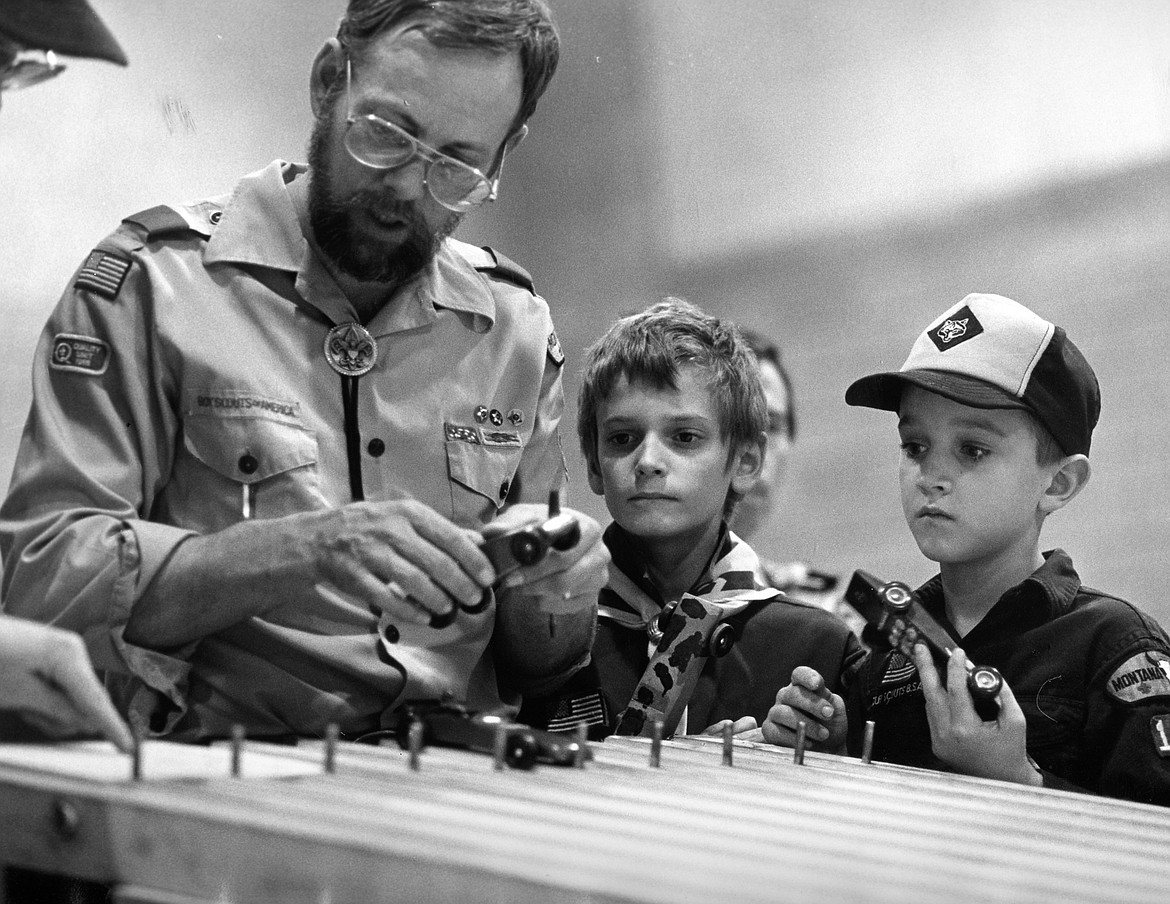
(1047,592)
(265,222)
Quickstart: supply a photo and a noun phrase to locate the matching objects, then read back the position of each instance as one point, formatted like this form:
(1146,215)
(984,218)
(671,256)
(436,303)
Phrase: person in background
(45,672)
(796,579)
(271,430)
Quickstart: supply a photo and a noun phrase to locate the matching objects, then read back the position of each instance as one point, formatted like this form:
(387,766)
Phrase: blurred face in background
(753,511)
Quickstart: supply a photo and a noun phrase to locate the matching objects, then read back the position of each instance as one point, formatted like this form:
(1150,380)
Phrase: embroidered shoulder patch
(554,350)
(1140,677)
(1160,728)
(103,273)
(80,354)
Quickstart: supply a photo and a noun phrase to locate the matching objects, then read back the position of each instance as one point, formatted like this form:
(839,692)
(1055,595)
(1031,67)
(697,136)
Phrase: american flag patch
(899,667)
(103,273)
(588,708)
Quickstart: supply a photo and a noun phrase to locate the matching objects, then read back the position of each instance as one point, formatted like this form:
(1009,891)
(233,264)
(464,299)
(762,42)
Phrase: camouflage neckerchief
(729,582)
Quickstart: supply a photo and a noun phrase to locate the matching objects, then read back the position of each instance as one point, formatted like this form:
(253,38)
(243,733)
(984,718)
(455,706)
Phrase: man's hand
(45,672)
(400,557)
(960,738)
(546,613)
(807,699)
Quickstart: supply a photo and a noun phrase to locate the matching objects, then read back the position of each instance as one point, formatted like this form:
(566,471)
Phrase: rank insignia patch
(500,438)
(554,350)
(102,273)
(1141,676)
(79,354)
(459,434)
(1160,728)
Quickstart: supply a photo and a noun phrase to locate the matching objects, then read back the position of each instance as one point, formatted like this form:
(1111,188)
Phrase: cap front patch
(1140,677)
(955,330)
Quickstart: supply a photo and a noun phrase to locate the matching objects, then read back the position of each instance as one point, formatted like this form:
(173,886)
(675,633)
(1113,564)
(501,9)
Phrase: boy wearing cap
(996,408)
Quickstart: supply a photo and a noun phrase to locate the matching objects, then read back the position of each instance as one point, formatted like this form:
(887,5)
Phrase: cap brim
(884,391)
(69,27)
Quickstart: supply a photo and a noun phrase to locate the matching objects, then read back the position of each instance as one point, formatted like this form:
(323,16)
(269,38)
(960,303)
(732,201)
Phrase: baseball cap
(69,27)
(988,351)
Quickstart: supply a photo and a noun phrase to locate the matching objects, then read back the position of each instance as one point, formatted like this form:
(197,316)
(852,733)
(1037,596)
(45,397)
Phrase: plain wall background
(833,173)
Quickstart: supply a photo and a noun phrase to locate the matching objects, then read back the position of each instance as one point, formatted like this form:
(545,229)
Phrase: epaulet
(506,268)
(165,221)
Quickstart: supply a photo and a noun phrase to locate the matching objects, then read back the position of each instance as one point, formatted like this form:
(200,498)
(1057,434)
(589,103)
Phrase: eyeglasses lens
(374,142)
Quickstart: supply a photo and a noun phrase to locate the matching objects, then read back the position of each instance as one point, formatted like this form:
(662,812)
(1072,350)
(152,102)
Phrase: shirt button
(391,634)
(376,447)
(504,490)
(248,463)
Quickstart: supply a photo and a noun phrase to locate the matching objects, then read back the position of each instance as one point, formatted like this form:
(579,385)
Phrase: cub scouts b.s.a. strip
(895,611)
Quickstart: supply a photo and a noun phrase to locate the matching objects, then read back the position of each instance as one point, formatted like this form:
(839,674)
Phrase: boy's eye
(973,452)
(619,439)
(687,437)
(912,449)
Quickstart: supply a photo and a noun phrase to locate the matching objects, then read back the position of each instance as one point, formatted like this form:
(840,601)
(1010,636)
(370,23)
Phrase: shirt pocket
(1055,728)
(481,476)
(253,467)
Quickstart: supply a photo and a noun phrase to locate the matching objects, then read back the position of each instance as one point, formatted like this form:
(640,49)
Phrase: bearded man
(271,430)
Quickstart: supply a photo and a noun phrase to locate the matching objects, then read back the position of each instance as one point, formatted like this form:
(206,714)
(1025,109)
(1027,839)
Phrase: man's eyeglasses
(378,144)
(27,67)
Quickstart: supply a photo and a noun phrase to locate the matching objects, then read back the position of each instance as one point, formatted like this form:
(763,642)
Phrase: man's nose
(409,180)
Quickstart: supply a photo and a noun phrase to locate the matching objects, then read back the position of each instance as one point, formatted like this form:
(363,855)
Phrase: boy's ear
(595,482)
(747,463)
(328,67)
(1068,479)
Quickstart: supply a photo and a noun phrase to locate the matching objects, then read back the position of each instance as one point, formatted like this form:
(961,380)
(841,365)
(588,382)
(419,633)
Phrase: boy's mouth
(933,512)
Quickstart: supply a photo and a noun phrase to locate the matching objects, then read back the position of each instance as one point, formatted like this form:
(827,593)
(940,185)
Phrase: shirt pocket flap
(486,470)
(248,450)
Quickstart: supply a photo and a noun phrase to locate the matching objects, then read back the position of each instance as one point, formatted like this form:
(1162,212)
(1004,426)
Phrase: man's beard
(342,244)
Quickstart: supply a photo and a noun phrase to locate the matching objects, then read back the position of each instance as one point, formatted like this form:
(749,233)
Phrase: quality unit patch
(79,354)
(1140,677)
(102,273)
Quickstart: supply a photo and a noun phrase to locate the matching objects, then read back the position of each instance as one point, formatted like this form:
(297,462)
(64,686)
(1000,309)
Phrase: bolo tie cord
(353,439)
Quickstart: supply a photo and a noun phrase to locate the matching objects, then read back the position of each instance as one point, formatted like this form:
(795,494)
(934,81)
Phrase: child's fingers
(808,677)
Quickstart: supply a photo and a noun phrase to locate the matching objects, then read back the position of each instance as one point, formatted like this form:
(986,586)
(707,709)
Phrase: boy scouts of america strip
(457,433)
(102,273)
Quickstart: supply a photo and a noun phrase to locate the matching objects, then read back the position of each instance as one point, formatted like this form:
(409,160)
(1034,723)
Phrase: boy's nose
(932,476)
(649,459)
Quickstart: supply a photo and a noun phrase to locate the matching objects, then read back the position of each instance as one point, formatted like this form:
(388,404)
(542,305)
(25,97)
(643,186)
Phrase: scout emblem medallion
(350,349)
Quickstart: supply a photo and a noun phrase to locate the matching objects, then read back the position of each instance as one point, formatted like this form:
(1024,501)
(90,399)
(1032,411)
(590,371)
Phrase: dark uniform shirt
(776,634)
(1090,672)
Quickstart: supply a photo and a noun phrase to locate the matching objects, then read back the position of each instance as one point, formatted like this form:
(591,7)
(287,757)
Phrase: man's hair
(496,26)
(767,350)
(652,347)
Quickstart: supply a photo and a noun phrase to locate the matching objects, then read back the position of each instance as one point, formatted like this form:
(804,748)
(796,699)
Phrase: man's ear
(747,463)
(1069,478)
(328,68)
(515,138)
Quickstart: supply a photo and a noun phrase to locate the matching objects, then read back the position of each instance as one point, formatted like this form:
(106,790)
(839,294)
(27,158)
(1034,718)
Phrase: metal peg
(656,743)
(331,735)
(867,743)
(582,745)
(798,751)
(727,745)
(237,749)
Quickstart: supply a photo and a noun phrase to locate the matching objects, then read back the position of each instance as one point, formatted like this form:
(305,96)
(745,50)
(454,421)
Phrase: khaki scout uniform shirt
(182,368)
